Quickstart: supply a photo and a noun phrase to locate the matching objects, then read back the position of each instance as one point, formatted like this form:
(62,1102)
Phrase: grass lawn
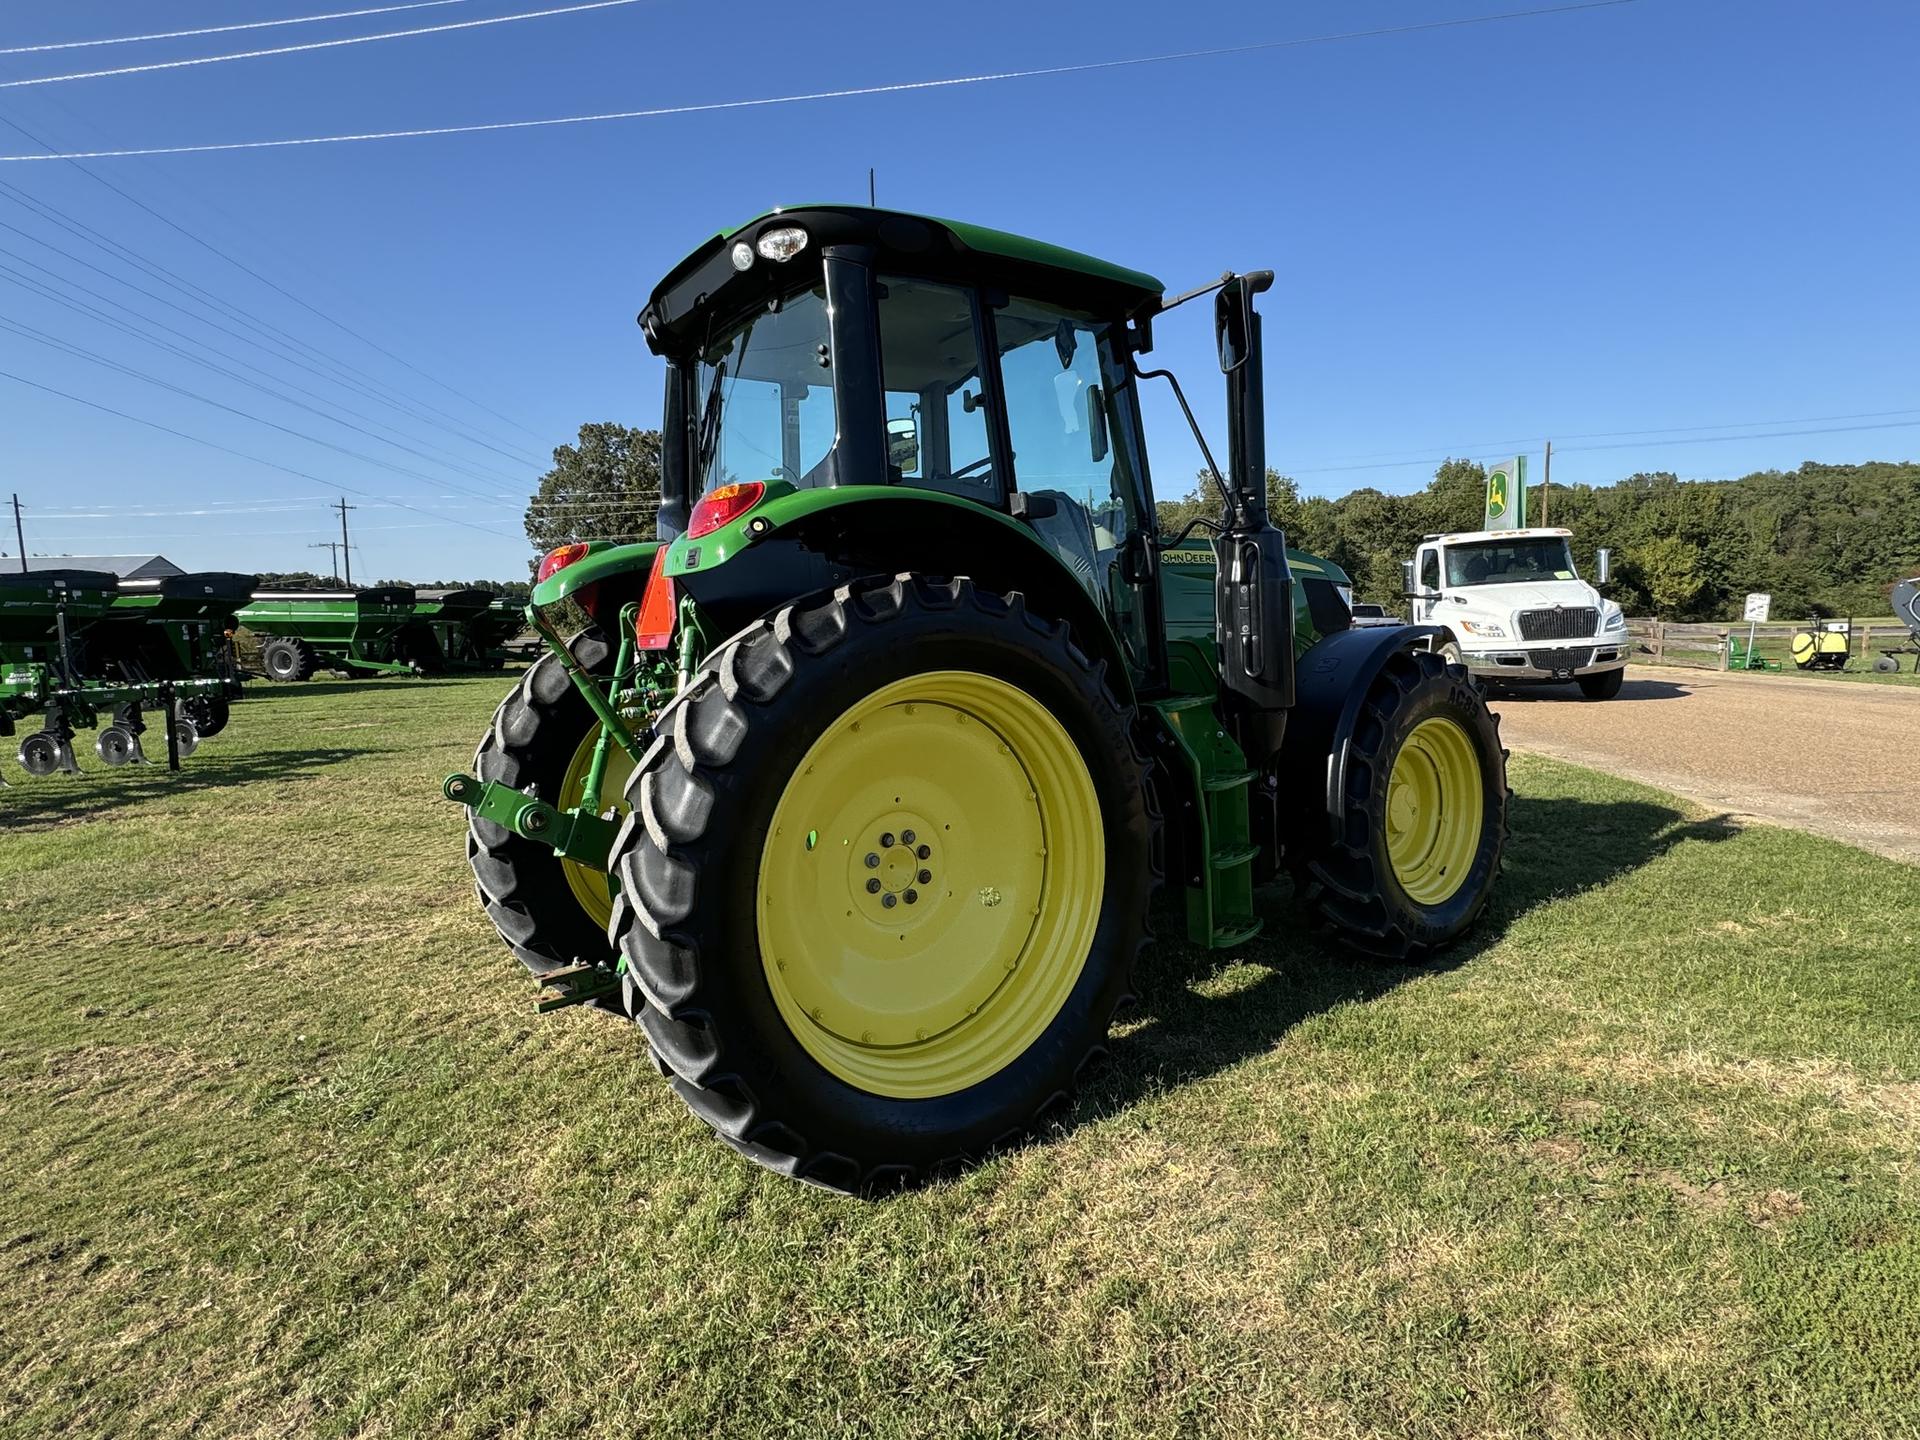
(287,1151)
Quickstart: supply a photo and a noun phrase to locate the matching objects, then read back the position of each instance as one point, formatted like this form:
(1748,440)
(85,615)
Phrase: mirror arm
(1199,522)
(1234,507)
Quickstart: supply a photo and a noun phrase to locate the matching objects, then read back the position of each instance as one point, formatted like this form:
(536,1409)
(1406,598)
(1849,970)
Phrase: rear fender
(814,540)
(1331,684)
(608,577)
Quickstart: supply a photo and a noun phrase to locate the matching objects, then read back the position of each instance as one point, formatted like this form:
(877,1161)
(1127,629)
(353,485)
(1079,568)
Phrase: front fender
(1330,686)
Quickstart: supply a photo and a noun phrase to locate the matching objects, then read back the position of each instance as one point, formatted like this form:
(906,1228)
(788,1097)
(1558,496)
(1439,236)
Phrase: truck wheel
(551,912)
(286,659)
(1425,820)
(887,872)
(1603,686)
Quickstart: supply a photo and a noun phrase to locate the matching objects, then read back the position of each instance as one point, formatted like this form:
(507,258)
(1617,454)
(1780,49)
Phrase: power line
(896,87)
(225,29)
(113,322)
(280,350)
(40,337)
(470,432)
(312,45)
(229,450)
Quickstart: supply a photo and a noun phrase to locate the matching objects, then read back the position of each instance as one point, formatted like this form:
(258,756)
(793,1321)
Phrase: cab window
(930,371)
(1429,569)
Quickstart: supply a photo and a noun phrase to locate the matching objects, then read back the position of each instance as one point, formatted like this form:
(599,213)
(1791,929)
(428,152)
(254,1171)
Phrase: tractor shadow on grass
(1558,848)
(98,791)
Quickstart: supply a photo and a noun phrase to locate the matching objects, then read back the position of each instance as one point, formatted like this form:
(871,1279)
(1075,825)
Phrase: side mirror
(1602,565)
(903,446)
(1406,577)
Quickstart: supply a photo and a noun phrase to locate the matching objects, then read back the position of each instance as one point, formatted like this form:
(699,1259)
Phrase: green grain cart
(856,792)
(50,623)
(175,627)
(455,630)
(301,631)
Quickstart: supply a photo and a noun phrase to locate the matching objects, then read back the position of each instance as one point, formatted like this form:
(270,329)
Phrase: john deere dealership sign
(1507,495)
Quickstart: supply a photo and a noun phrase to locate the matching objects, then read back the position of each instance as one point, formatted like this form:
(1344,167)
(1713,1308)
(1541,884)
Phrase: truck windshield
(763,399)
(1507,562)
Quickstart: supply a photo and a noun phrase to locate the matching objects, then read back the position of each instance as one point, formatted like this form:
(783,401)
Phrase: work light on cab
(721,506)
(561,557)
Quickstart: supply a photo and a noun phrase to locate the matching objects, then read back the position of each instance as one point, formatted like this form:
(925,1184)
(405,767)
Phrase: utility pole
(1546,481)
(332,547)
(345,548)
(870,199)
(19,534)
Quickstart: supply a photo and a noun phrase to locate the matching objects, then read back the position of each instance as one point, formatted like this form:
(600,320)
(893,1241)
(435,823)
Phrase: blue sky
(1663,216)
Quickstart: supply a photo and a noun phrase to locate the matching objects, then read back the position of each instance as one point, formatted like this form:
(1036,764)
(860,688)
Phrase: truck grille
(1570,658)
(1576,624)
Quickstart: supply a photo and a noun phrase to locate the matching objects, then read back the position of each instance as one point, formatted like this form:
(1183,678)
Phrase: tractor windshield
(1509,562)
(764,399)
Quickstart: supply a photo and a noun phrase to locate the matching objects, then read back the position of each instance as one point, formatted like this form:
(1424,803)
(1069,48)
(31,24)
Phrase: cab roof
(1531,533)
(917,244)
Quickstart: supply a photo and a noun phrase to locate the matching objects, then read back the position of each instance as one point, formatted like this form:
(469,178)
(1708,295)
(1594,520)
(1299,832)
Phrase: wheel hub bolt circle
(889,900)
(873,861)
(911,896)
(906,837)
(873,886)
(925,852)
(886,840)
(926,877)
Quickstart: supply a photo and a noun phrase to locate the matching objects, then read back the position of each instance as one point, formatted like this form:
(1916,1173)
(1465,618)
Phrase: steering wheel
(984,463)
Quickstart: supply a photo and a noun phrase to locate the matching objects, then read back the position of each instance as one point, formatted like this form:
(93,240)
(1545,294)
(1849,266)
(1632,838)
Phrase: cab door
(1426,579)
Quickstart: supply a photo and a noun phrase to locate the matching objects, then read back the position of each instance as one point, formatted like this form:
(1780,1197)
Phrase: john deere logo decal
(1497,494)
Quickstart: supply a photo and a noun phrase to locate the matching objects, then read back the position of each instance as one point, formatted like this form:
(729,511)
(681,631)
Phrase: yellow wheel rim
(930,884)
(594,888)
(1435,809)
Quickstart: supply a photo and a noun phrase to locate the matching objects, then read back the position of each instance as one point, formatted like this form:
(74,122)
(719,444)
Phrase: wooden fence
(1705,647)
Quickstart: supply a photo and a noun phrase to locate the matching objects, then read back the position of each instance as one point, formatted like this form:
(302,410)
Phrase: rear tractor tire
(1419,843)
(885,878)
(286,659)
(1603,686)
(551,912)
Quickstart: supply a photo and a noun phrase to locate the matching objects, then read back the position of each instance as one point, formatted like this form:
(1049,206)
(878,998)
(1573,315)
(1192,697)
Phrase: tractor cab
(834,349)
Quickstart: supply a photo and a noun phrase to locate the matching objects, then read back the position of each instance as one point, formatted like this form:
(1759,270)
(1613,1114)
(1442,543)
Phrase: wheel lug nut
(886,840)
(925,877)
(911,896)
(906,837)
(873,861)
(924,852)
(888,901)
(873,886)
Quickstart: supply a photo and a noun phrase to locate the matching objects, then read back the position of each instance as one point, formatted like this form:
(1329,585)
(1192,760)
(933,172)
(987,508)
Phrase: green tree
(1669,568)
(604,487)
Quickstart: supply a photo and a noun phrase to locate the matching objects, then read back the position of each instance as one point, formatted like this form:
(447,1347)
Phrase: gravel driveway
(1840,758)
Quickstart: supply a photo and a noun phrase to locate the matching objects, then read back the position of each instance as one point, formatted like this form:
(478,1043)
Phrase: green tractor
(856,791)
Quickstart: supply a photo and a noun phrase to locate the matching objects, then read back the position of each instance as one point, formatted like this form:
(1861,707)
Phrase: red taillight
(653,627)
(717,507)
(558,560)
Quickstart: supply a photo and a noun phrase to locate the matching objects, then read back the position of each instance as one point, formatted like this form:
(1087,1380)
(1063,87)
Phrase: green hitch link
(577,985)
(584,838)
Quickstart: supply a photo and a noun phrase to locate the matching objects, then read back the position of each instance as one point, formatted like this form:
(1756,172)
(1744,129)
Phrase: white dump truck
(1516,612)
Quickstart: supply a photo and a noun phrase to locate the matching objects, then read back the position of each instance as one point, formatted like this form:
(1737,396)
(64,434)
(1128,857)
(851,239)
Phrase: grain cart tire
(885,878)
(285,659)
(1603,686)
(551,912)
(1422,815)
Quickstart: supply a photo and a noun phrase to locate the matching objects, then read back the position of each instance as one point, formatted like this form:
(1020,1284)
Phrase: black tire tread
(1340,884)
(662,844)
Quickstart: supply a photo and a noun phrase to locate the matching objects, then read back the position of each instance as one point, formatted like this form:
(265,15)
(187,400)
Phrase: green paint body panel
(996,244)
(30,604)
(359,629)
(1186,592)
(602,562)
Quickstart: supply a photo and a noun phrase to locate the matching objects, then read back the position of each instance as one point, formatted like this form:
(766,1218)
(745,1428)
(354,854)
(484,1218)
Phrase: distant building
(127,567)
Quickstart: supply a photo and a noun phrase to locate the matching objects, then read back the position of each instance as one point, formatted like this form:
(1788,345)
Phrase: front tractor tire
(886,874)
(551,912)
(1416,847)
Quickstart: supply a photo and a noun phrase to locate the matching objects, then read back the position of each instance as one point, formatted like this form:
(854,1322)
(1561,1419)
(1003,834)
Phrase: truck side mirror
(1603,565)
(1406,577)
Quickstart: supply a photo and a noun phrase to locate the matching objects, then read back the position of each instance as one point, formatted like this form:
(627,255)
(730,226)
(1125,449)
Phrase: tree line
(1822,539)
